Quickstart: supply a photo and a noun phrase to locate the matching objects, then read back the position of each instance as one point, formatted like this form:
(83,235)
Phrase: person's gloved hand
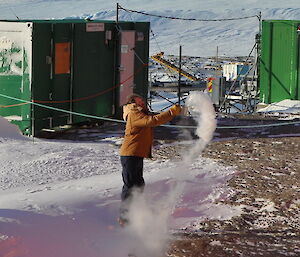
(175,110)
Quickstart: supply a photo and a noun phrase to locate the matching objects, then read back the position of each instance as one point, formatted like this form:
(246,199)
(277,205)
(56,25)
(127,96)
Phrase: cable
(135,53)
(238,75)
(237,127)
(168,126)
(95,95)
(167,70)
(12,105)
(185,19)
(61,110)
(154,36)
(151,31)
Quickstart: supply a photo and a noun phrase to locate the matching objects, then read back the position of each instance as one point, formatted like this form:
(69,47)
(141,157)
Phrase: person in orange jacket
(137,145)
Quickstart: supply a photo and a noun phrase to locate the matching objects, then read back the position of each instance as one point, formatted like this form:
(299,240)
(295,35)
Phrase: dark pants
(132,174)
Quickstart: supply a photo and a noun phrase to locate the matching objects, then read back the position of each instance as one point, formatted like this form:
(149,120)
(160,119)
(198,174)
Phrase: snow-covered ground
(198,38)
(289,109)
(61,198)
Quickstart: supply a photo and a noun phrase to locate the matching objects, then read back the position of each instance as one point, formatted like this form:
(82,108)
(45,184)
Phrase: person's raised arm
(144,120)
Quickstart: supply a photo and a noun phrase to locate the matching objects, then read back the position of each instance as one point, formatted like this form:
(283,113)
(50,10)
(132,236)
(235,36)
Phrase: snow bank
(10,131)
(72,190)
(285,106)
(85,205)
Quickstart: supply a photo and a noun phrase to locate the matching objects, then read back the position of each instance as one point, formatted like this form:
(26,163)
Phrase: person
(137,145)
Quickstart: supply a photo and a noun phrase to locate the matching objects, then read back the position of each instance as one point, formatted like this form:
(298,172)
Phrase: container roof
(69,21)
(289,21)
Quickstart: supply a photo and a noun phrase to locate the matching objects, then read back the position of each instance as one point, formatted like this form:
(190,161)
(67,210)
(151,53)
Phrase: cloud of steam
(202,110)
(149,219)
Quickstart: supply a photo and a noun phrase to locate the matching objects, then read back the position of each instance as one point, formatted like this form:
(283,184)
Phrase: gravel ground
(267,184)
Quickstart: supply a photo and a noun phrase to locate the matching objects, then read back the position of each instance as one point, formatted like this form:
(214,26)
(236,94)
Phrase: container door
(15,72)
(279,60)
(126,65)
(297,86)
(93,71)
(52,73)
(62,73)
(42,74)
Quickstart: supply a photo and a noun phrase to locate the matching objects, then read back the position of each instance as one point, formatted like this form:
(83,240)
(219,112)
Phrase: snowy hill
(198,38)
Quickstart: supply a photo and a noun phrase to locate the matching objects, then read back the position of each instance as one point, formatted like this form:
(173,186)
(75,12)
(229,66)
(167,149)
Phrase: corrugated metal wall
(76,66)
(15,72)
(279,67)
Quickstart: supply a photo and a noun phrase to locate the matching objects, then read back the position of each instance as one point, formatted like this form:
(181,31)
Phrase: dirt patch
(234,245)
(267,185)
(268,182)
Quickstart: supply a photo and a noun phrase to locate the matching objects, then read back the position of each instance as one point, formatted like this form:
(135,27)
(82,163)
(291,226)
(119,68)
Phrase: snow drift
(10,131)
(284,106)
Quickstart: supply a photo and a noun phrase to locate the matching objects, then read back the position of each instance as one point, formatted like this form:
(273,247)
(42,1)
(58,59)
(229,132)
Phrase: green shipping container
(80,66)
(279,66)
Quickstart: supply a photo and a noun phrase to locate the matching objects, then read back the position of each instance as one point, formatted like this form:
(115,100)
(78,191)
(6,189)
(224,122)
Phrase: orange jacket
(139,130)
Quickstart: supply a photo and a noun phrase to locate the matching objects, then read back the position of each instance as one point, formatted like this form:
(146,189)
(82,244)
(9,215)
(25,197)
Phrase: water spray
(149,225)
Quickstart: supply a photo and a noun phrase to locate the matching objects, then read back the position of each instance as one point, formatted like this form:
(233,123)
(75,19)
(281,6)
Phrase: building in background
(233,71)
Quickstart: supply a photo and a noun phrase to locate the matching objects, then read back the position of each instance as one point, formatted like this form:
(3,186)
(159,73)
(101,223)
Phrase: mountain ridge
(232,38)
